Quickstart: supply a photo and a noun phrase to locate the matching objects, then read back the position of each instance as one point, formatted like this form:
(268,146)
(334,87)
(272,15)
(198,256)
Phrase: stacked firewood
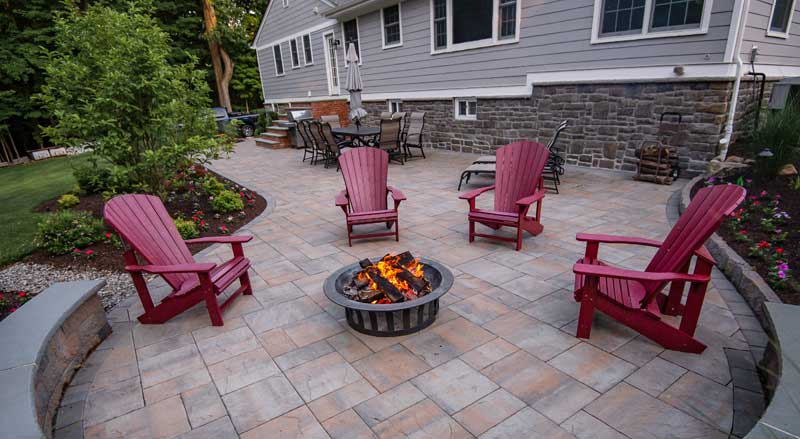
(658,164)
(392,279)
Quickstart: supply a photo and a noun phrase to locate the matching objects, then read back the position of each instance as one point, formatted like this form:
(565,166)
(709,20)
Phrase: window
(466,109)
(394,106)
(285,3)
(307,52)
(677,13)
(350,31)
(392,26)
(468,24)
(440,23)
(295,54)
(780,18)
(623,16)
(276,54)
(623,20)
(508,18)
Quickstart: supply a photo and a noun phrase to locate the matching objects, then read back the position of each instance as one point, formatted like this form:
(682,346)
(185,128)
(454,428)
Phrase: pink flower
(22,294)
(89,252)
(12,309)
(782,274)
(779,250)
(76,250)
(763,244)
(108,235)
(763,193)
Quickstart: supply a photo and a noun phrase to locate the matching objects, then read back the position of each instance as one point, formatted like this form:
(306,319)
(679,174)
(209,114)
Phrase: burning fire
(392,279)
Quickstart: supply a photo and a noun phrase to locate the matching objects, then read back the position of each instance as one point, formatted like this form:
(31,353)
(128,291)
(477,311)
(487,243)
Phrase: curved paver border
(43,343)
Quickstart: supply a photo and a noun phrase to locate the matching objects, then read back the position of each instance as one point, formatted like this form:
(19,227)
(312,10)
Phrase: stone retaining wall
(609,122)
(43,344)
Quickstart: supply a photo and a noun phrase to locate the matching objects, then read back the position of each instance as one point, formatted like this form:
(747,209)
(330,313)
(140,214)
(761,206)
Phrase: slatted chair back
(386,115)
(143,222)
(702,218)
(331,119)
(327,135)
(303,131)
(389,137)
(561,127)
(365,171)
(416,122)
(518,171)
(315,132)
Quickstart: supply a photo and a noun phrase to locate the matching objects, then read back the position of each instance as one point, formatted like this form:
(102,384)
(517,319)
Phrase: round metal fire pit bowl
(394,319)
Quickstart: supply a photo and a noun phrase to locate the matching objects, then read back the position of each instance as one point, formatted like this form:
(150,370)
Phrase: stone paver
(500,361)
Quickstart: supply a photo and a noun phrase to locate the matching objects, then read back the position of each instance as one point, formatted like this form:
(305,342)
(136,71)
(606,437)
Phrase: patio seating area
(501,359)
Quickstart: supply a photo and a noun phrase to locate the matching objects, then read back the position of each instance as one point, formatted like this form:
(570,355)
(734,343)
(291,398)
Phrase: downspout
(726,140)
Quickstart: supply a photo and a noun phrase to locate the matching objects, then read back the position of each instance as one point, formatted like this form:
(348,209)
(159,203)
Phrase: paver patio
(500,361)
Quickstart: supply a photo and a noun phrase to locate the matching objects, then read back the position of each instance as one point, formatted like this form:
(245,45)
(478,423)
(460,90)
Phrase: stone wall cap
(18,414)
(25,333)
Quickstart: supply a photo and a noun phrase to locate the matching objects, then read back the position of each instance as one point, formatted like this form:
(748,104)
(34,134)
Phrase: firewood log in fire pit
(393,279)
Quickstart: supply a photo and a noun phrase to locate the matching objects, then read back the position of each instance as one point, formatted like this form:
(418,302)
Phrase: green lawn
(22,188)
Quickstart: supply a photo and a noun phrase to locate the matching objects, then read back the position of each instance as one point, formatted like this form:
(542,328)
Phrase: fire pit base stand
(394,319)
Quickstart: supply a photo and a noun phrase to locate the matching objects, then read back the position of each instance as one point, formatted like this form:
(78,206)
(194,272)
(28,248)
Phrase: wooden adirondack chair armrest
(703,253)
(643,276)
(612,239)
(341,199)
(204,267)
(236,239)
(471,195)
(527,201)
(397,195)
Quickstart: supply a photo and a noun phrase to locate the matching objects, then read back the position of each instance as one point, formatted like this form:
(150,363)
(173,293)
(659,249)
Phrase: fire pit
(402,304)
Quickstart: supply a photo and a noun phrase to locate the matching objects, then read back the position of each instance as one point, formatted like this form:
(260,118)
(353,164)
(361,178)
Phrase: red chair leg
(519,237)
(397,231)
(244,281)
(211,300)
(586,314)
(472,231)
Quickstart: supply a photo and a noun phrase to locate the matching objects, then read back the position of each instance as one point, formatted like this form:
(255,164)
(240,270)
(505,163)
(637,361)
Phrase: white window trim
(456,101)
(275,60)
(310,46)
(383,29)
(285,3)
(389,103)
(775,34)
(488,42)
(297,46)
(646,32)
(344,52)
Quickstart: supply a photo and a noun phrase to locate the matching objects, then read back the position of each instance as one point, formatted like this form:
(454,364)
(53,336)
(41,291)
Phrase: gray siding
(282,22)
(296,83)
(555,35)
(771,50)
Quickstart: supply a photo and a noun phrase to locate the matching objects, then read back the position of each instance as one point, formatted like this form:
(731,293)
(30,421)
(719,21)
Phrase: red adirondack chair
(634,298)
(518,184)
(144,224)
(363,201)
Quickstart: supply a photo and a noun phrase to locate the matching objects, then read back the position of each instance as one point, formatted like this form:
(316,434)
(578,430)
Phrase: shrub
(780,132)
(212,186)
(186,228)
(61,232)
(68,200)
(92,179)
(227,201)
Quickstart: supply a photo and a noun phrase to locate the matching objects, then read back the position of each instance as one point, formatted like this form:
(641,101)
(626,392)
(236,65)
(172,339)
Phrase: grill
(394,319)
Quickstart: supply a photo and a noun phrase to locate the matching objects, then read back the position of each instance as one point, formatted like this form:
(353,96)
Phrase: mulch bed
(744,233)
(107,256)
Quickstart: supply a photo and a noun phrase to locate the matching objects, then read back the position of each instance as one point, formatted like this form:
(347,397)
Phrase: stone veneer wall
(339,107)
(609,122)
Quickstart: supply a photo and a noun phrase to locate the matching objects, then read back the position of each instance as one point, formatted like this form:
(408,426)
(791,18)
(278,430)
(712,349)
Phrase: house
(488,72)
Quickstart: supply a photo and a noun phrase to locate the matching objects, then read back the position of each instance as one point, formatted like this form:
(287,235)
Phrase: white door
(331,64)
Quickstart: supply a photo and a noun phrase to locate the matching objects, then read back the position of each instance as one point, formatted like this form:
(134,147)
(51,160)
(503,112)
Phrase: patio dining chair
(333,146)
(311,149)
(415,123)
(555,164)
(389,140)
(332,120)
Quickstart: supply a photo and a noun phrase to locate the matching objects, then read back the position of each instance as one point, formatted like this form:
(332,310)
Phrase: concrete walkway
(500,361)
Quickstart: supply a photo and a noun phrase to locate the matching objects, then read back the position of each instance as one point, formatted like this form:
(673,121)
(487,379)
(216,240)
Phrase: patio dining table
(359,136)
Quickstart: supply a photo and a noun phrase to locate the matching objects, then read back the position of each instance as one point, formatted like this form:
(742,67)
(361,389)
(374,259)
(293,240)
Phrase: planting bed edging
(43,343)
(783,353)
(753,288)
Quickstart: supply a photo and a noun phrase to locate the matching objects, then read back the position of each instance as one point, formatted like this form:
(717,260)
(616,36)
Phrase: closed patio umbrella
(354,85)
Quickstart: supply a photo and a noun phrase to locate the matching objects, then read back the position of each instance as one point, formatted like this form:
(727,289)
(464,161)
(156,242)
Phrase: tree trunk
(222,73)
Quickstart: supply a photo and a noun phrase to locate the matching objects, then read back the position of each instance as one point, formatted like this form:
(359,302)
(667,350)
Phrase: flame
(390,267)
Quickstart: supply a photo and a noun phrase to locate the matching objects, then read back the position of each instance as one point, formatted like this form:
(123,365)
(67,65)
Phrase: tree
(220,60)
(109,85)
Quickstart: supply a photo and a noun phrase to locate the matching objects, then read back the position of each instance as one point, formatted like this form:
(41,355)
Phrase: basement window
(466,109)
